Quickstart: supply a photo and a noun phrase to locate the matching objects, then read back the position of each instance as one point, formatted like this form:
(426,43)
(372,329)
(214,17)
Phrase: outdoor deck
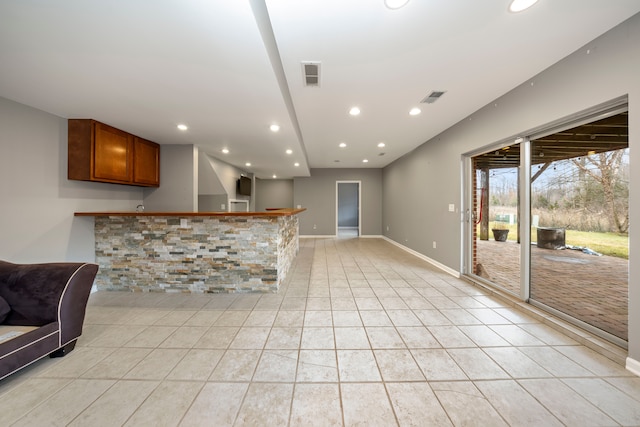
(591,288)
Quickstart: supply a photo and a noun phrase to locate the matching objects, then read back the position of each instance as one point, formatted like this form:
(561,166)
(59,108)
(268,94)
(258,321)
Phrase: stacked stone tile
(195,254)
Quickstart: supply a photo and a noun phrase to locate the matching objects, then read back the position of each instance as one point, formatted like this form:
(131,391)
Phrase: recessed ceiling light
(365,161)
(415,111)
(247,164)
(289,151)
(182,127)
(225,150)
(296,164)
(274,128)
(274,176)
(395,4)
(342,145)
(381,144)
(520,5)
(354,111)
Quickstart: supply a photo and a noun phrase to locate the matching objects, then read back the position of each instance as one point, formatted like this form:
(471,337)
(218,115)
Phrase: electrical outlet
(434,244)
(299,206)
(223,206)
(452,207)
(314,226)
(387,228)
(183,223)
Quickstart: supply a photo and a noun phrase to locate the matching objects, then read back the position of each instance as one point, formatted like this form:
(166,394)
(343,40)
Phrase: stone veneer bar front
(203,252)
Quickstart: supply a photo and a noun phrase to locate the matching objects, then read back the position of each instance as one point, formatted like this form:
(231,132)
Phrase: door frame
(359,203)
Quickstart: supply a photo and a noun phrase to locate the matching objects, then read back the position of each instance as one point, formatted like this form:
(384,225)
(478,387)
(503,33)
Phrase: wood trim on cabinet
(79,156)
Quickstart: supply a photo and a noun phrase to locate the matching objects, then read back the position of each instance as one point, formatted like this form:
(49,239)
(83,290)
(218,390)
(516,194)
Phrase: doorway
(348,209)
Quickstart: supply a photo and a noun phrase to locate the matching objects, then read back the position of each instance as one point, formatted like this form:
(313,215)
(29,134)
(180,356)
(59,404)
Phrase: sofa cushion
(33,292)
(9,332)
(4,309)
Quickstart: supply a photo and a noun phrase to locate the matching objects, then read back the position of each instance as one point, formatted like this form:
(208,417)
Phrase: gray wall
(227,176)
(417,191)
(178,191)
(273,193)
(213,203)
(317,193)
(208,180)
(348,204)
(38,201)
(430,177)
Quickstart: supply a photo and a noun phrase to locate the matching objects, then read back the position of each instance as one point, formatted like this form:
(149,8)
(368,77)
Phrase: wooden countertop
(277,212)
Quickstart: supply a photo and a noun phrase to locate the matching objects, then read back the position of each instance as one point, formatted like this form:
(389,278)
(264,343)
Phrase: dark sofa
(42,308)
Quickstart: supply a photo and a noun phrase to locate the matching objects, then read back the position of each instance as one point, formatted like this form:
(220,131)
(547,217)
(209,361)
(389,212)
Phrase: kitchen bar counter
(197,252)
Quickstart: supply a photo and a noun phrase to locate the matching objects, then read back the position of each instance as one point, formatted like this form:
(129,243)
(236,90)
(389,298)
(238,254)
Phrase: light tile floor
(362,333)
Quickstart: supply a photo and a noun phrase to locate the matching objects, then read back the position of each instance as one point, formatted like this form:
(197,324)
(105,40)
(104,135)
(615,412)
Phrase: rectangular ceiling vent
(433,96)
(311,73)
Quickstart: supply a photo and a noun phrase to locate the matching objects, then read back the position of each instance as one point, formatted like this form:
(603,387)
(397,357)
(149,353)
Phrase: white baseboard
(633,366)
(433,262)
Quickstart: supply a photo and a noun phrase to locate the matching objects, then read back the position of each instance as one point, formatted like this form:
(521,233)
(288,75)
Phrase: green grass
(611,244)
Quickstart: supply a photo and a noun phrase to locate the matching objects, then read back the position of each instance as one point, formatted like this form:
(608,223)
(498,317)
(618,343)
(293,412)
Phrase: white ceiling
(230,68)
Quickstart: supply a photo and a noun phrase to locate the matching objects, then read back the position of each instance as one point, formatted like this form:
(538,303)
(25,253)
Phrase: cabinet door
(112,154)
(146,168)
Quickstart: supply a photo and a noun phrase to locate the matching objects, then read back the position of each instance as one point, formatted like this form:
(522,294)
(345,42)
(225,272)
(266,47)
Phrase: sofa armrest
(73,303)
(39,294)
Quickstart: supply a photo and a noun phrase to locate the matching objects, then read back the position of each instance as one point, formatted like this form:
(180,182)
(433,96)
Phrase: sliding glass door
(558,202)
(496,240)
(580,223)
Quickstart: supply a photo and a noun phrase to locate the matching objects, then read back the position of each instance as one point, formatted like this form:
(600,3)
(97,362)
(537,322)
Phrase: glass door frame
(524,213)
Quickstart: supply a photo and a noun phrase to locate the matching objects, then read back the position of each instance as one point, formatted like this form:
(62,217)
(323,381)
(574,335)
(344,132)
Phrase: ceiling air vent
(311,73)
(433,96)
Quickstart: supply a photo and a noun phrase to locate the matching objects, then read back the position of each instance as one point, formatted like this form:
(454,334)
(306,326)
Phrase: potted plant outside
(500,232)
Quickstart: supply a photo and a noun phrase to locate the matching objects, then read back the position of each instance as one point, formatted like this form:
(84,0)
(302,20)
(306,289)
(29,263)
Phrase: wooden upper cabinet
(99,152)
(112,154)
(146,155)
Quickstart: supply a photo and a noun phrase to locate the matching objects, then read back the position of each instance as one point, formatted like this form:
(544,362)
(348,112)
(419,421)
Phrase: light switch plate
(452,207)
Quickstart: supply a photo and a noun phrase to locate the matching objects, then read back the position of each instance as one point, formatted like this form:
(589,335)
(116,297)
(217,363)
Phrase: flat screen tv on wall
(244,186)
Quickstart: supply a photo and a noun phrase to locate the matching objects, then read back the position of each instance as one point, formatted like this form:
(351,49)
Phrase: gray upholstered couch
(42,308)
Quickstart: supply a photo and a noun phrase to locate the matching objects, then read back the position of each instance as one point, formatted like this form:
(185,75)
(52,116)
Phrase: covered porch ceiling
(611,133)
